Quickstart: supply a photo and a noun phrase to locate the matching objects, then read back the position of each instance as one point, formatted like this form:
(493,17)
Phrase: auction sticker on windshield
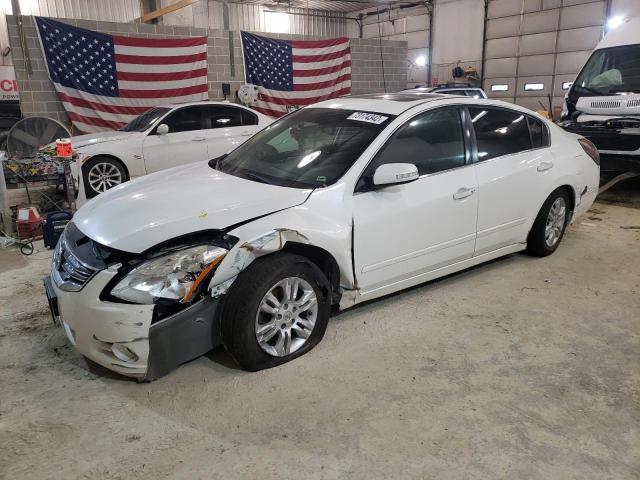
(367,117)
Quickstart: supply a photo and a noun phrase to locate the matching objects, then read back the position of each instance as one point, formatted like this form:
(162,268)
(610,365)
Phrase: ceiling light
(277,22)
(421,61)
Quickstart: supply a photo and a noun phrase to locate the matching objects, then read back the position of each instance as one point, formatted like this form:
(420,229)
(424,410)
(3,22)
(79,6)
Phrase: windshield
(309,148)
(611,71)
(145,121)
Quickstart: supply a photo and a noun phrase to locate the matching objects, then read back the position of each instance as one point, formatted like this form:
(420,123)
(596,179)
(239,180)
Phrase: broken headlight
(175,276)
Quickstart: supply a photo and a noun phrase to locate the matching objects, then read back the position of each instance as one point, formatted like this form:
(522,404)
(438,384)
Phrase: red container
(63,148)
(29,223)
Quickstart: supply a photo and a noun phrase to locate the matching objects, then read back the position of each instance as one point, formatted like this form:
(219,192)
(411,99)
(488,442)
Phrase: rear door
(185,142)
(228,127)
(512,170)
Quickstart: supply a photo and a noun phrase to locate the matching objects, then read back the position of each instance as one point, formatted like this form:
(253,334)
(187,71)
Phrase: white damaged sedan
(332,205)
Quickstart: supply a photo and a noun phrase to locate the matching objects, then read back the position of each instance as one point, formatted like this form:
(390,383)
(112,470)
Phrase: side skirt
(365,295)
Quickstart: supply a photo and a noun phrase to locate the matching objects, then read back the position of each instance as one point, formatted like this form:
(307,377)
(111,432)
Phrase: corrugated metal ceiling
(329,5)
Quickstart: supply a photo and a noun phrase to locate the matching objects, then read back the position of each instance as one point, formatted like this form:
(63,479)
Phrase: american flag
(105,81)
(294,73)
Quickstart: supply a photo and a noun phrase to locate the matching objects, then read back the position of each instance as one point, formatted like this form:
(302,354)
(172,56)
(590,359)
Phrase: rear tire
(550,224)
(101,174)
(264,326)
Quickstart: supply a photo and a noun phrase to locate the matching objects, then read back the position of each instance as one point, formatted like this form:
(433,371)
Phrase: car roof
(390,103)
(398,103)
(202,102)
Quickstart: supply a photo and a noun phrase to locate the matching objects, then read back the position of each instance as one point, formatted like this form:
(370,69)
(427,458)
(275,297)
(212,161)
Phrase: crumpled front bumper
(122,337)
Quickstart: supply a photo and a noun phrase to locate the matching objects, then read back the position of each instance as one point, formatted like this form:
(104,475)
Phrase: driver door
(403,232)
(186,141)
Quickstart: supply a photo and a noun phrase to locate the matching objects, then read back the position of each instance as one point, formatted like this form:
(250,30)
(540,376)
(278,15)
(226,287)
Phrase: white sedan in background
(333,205)
(160,138)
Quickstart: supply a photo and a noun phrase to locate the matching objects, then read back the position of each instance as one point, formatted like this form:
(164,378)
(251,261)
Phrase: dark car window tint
(185,119)
(433,142)
(249,118)
(455,92)
(539,133)
(224,117)
(499,132)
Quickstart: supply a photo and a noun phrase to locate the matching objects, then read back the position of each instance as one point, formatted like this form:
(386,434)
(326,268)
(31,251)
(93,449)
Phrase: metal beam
(164,10)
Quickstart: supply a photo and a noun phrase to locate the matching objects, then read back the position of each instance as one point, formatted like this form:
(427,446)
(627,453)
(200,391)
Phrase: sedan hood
(142,213)
(90,139)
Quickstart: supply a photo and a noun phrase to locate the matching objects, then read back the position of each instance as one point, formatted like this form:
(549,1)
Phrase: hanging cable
(384,78)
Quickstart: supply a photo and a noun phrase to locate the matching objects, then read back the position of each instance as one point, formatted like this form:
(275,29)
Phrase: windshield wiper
(255,177)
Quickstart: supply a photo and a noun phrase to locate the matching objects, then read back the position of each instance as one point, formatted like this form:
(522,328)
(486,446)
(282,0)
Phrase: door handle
(544,166)
(198,139)
(463,193)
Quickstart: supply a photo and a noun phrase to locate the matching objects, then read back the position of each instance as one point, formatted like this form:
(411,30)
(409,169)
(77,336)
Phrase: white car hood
(90,139)
(142,213)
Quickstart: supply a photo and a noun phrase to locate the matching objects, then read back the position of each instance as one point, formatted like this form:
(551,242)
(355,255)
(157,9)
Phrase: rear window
(499,132)
(539,133)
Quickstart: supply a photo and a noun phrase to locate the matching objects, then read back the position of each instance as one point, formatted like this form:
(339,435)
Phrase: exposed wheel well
(111,157)
(323,260)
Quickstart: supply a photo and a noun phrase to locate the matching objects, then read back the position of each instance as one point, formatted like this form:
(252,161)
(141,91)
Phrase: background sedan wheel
(102,173)
(550,224)
(276,310)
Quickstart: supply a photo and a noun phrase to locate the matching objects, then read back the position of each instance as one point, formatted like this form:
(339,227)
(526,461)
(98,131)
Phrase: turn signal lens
(590,149)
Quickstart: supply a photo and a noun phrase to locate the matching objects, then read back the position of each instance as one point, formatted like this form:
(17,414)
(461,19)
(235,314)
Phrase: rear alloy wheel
(101,174)
(276,310)
(556,220)
(550,225)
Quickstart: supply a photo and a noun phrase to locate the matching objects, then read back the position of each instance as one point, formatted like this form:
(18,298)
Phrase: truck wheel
(102,173)
(276,310)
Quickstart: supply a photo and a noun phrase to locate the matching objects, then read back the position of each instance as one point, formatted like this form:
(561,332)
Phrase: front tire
(102,173)
(276,310)
(550,224)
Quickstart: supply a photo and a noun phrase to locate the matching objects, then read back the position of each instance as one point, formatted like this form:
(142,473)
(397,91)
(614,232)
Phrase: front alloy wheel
(101,174)
(286,316)
(276,310)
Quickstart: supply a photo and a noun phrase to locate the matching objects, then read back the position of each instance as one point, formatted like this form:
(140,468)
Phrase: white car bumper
(123,337)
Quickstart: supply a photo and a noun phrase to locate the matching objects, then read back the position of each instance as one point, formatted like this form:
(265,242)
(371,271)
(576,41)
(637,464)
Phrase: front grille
(70,273)
(633,103)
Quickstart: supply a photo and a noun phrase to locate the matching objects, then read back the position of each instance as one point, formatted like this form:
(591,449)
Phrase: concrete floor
(521,368)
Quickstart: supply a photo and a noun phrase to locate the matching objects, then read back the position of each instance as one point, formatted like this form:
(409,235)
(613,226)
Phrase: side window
(499,132)
(223,117)
(185,119)
(456,92)
(248,118)
(432,141)
(539,133)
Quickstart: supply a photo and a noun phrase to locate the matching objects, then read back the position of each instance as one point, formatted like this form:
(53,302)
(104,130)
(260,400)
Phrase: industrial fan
(30,134)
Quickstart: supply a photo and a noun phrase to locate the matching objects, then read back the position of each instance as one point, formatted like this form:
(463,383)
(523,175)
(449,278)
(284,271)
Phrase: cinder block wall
(38,96)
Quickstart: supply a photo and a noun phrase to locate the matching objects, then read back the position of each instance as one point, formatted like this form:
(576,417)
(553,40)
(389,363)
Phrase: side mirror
(395,173)
(162,129)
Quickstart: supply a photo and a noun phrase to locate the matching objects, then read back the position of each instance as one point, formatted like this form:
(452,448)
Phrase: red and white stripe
(150,72)
(321,70)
